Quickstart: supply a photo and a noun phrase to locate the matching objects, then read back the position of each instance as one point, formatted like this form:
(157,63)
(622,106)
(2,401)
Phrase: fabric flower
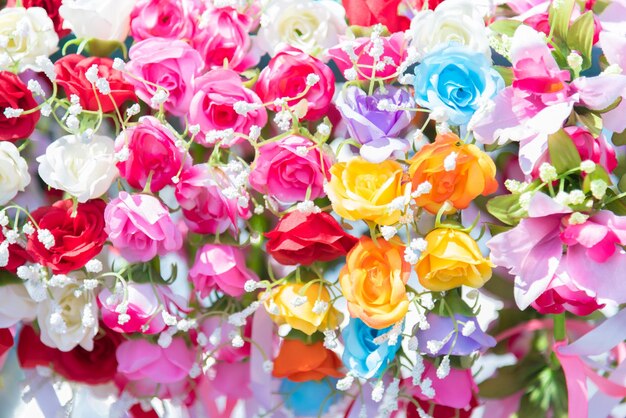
(18,256)
(379,131)
(213,106)
(305,307)
(451,259)
(286,169)
(220,331)
(79,234)
(52,9)
(13,172)
(220,267)
(373,282)
(99,19)
(303,238)
(162,19)
(153,154)
(453,172)
(457,390)
(71,70)
(359,189)
(456,79)
(303,398)
(363,354)
(169,63)
(453,341)
(16,95)
(563,295)
(286,77)
(21,308)
(300,362)
(371,12)
(140,227)
(85,170)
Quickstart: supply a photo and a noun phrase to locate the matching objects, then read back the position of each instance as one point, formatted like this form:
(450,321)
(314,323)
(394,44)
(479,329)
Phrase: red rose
(71,71)
(51,7)
(300,238)
(286,75)
(78,365)
(18,256)
(371,12)
(77,239)
(16,95)
(6,340)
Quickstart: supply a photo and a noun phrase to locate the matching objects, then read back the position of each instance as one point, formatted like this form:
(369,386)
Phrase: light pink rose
(144,302)
(455,391)
(140,227)
(220,267)
(283,171)
(205,208)
(212,106)
(394,49)
(150,370)
(170,19)
(218,332)
(152,154)
(168,63)
(224,36)
(286,76)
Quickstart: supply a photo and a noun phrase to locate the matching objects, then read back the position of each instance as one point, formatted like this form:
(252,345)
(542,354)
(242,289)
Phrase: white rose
(311,26)
(14,175)
(16,305)
(66,320)
(458,21)
(97,19)
(25,34)
(84,170)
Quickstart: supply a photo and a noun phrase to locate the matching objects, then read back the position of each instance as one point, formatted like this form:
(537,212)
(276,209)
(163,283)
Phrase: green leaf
(495,229)
(529,408)
(619,138)
(505,26)
(559,17)
(592,121)
(506,73)
(621,185)
(618,206)
(512,379)
(7,278)
(563,153)
(609,107)
(580,37)
(506,208)
(598,174)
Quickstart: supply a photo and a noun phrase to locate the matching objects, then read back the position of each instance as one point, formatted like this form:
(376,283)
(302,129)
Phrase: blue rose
(311,398)
(456,79)
(362,355)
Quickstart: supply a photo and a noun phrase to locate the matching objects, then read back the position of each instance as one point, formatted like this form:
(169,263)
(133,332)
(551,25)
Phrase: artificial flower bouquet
(274,208)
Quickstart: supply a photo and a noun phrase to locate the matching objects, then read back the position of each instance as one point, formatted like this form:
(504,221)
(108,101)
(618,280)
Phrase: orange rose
(300,362)
(457,178)
(373,282)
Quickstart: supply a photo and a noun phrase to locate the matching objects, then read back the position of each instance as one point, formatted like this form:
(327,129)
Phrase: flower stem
(559,327)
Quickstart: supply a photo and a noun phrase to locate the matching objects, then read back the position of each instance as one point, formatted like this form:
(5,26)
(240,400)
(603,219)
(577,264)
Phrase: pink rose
(455,390)
(218,331)
(591,148)
(224,37)
(171,64)
(220,267)
(564,295)
(212,106)
(153,155)
(286,168)
(150,369)
(393,49)
(169,19)
(144,304)
(140,227)
(205,208)
(286,76)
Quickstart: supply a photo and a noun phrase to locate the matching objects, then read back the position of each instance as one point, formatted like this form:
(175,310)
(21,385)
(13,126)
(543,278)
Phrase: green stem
(559,327)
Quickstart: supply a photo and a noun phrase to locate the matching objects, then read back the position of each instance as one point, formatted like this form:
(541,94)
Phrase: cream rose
(97,19)
(14,175)
(459,21)
(25,34)
(67,320)
(17,305)
(311,26)
(84,170)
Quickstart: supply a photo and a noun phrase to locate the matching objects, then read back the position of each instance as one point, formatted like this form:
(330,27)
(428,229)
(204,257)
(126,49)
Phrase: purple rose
(378,130)
(440,338)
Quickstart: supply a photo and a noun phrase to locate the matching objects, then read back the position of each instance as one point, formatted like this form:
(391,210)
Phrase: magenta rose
(140,227)
(152,154)
(169,19)
(286,168)
(596,149)
(219,328)
(212,106)
(220,267)
(286,76)
(168,63)
(205,208)
(224,36)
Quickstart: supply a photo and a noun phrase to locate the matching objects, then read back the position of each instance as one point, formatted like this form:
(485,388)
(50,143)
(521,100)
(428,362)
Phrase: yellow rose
(359,190)
(287,306)
(373,282)
(451,259)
